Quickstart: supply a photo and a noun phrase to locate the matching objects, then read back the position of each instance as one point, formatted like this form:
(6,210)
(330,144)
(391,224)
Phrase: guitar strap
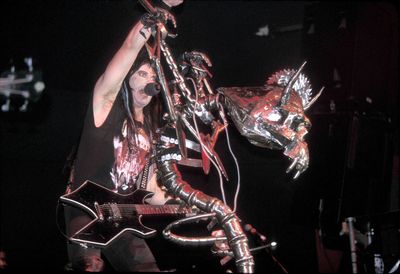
(69,167)
(143,177)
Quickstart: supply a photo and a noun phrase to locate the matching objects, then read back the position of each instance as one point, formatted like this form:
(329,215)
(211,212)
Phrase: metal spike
(313,99)
(288,88)
(292,165)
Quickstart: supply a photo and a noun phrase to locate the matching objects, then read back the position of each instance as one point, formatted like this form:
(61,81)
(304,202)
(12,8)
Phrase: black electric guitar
(115,213)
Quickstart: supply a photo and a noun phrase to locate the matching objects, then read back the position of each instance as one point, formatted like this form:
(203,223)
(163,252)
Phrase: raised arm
(109,83)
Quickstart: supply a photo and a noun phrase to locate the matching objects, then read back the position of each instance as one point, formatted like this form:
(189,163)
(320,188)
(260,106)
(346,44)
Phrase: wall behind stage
(72,42)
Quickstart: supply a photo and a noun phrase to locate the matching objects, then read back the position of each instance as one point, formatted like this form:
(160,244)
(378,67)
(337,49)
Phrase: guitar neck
(159,209)
(140,209)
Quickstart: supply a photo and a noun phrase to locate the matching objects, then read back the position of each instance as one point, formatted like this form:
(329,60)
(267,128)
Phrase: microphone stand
(277,262)
(268,247)
(350,221)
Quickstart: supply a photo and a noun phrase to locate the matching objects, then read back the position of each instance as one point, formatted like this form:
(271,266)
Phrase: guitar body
(110,220)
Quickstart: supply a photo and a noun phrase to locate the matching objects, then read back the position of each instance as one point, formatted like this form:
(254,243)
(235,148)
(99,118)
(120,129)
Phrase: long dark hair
(152,112)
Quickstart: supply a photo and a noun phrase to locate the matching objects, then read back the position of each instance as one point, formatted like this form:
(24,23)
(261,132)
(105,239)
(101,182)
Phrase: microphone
(253,231)
(152,89)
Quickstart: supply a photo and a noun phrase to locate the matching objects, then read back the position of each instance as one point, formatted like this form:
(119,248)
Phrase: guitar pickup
(115,214)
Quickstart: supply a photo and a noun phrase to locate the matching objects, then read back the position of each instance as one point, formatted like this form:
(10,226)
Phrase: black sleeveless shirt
(104,156)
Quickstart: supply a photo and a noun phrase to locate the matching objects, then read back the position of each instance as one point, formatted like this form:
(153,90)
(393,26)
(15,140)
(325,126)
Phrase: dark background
(351,49)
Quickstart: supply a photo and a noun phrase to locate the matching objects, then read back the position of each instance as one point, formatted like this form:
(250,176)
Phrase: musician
(115,147)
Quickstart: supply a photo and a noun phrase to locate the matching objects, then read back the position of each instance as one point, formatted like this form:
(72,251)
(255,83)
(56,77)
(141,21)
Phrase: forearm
(123,60)
(111,80)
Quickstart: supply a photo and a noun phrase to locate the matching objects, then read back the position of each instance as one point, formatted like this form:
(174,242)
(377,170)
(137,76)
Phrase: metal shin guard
(237,240)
